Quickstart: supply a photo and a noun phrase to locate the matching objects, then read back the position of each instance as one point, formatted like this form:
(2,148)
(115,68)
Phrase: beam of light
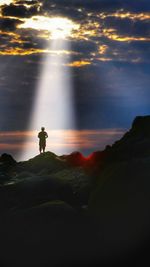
(53,107)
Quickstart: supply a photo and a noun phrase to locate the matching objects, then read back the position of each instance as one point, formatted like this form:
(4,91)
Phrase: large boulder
(7,164)
(74,159)
(46,162)
(135,143)
(120,199)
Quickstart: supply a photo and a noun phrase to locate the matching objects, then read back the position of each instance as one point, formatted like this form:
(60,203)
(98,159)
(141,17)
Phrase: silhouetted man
(42,139)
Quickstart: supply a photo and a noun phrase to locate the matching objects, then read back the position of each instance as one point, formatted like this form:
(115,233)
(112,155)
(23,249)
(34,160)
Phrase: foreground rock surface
(120,199)
(58,210)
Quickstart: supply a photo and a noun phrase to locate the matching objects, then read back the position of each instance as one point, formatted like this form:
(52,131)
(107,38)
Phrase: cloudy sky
(107,56)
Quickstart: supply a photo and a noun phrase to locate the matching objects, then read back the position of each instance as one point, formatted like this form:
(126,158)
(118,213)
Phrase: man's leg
(44,145)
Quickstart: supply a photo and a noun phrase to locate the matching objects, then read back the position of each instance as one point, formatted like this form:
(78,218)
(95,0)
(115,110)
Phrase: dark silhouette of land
(42,140)
(71,210)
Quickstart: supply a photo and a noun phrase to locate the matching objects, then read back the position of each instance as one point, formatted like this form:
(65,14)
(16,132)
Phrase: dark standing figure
(42,139)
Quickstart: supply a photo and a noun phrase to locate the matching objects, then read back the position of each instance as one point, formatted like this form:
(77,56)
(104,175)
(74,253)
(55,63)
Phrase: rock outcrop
(120,199)
(60,209)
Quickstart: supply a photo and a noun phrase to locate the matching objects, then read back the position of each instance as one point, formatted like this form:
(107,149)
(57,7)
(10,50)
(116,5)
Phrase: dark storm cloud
(137,6)
(19,11)
(128,52)
(78,11)
(128,27)
(106,93)
(84,47)
(113,95)
(100,5)
(5,39)
(29,3)
(86,4)
(142,28)
(31,38)
(8,24)
(18,84)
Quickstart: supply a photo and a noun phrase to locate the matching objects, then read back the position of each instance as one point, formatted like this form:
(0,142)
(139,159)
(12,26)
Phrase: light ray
(53,106)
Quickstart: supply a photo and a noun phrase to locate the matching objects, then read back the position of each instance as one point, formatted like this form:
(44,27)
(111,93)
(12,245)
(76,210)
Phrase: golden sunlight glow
(23,52)
(5,2)
(104,59)
(112,34)
(8,2)
(103,49)
(20,51)
(70,140)
(80,63)
(58,27)
(126,15)
(118,38)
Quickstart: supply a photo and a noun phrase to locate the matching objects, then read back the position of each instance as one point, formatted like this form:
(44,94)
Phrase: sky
(107,58)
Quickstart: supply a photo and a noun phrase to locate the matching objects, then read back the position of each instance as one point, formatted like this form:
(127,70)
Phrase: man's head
(42,128)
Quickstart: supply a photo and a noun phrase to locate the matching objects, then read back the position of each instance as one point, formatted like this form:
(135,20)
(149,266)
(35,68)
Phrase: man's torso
(42,136)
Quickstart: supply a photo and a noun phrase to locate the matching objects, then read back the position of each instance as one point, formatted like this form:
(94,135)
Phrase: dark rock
(120,199)
(42,205)
(141,124)
(7,163)
(6,158)
(47,161)
(74,159)
(4,178)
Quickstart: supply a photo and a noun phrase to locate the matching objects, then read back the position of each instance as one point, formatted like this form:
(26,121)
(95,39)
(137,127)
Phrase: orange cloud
(102,49)
(89,29)
(81,63)
(20,51)
(112,34)
(105,59)
(71,140)
(70,137)
(126,15)
(10,146)
(23,52)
